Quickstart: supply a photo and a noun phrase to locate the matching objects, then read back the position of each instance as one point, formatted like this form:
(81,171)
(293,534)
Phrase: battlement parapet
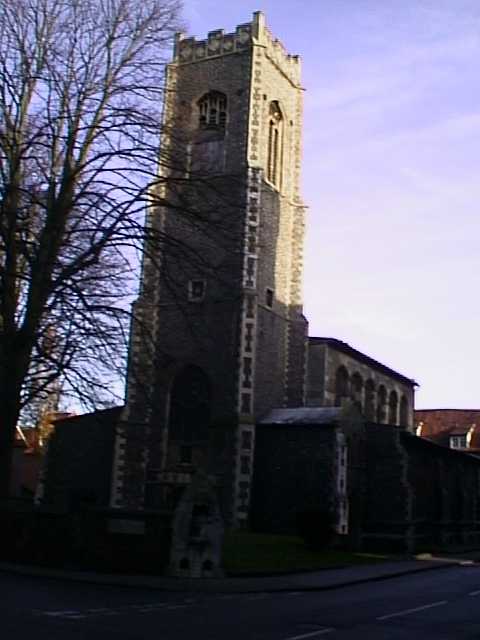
(276,51)
(218,43)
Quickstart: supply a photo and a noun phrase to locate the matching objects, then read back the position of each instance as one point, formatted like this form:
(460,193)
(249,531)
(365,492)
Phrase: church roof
(303,415)
(339,345)
(99,415)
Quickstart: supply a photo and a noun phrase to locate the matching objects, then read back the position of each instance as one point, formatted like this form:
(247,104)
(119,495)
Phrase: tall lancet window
(274,160)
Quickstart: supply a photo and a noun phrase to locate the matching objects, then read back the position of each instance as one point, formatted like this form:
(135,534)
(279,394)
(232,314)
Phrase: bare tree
(81,85)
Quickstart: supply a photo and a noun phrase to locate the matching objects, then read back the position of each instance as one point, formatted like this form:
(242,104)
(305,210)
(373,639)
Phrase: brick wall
(294,472)
(79,460)
(420,496)
(389,494)
(445,498)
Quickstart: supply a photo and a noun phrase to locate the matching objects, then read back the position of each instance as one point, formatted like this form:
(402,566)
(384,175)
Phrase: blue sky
(391,177)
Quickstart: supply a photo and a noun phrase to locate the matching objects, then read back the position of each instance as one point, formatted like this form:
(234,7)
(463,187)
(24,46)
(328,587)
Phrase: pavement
(321,580)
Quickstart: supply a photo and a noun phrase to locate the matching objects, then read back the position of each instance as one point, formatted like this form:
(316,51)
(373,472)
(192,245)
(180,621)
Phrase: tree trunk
(9,411)
(12,374)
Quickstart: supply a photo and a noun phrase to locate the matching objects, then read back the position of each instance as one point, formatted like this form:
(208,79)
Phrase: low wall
(91,539)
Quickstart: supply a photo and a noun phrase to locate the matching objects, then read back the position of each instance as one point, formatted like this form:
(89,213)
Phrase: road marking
(474,593)
(112,612)
(143,608)
(61,613)
(76,614)
(311,634)
(407,612)
(67,615)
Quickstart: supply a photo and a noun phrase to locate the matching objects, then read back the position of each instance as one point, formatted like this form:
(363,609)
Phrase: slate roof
(303,415)
(100,415)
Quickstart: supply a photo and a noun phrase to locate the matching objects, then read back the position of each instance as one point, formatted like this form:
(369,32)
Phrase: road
(432,605)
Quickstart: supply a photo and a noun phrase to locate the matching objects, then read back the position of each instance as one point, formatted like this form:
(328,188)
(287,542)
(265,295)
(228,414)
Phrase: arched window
(357,390)
(404,412)
(274,160)
(342,386)
(381,404)
(212,109)
(370,400)
(393,408)
(189,411)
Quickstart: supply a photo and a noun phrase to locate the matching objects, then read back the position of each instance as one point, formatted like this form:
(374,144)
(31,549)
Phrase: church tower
(219,338)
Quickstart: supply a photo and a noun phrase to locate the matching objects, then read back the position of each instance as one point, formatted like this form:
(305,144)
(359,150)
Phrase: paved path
(311,581)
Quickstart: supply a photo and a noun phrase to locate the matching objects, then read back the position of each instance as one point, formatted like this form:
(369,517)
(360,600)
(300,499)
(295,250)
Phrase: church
(230,339)
(223,377)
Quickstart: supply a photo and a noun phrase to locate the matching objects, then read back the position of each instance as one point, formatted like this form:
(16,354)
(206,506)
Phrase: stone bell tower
(219,337)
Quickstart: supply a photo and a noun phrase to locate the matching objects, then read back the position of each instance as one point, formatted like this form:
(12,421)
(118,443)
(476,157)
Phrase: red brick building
(453,428)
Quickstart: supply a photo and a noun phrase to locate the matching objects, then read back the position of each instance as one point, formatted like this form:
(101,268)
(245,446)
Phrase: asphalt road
(429,606)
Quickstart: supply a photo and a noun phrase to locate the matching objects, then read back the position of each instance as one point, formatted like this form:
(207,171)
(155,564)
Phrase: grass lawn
(258,553)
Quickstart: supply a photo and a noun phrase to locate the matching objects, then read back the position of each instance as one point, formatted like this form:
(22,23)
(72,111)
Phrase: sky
(391,176)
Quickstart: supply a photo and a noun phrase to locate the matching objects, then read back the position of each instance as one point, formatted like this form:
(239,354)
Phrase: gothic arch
(404,411)
(190,408)
(275,144)
(342,385)
(381,404)
(393,408)
(357,390)
(370,400)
